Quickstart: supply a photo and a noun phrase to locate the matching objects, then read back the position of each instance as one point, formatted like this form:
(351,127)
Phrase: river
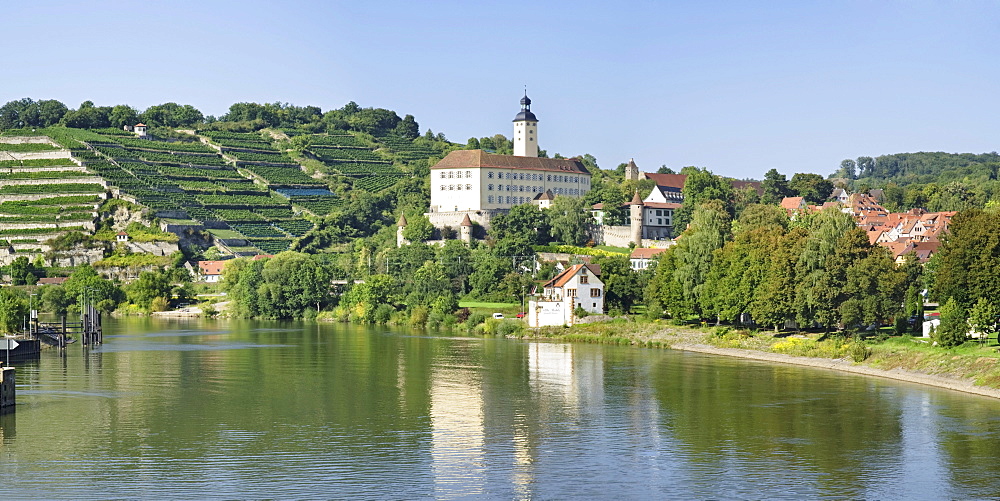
(238,409)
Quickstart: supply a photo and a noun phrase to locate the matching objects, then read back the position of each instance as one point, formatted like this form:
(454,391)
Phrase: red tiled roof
(791,203)
(644,253)
(669,180)
(52,280)
(211,267)
(463,159)
(561,279)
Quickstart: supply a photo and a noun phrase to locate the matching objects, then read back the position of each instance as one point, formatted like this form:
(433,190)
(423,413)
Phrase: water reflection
(306,411)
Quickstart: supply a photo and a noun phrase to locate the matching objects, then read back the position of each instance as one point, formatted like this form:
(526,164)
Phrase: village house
(641,257)
(210,271)
(579,286)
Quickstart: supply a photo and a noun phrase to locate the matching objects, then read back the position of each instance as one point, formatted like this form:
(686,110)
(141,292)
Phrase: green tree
(122,115)
(968,262)
(418,229)
(983,317)
(523,220)
(22,272)
(569,218)
(954,326)
(702,186)
(623,286)
(149,286)
(811,187)
(775,187)
(55,299)
(13,310)
(695,251)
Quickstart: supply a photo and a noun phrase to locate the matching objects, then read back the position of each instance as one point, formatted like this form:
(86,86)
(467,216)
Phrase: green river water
(202,409)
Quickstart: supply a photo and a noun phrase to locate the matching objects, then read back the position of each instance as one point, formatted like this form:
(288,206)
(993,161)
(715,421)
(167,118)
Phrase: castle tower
(631,171)
(525,130)
(635,219)
(465,230)
(400,241)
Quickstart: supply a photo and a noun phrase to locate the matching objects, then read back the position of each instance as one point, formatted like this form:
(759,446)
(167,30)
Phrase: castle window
(468,174)
(489,187)
(451,174)
(451,187)
(595,293)
(442,174)
(549,178)
(489,174)
(458,174)
(443,187)
(468,186)
(507,175)
(489,199)
(584,279)
(458,187)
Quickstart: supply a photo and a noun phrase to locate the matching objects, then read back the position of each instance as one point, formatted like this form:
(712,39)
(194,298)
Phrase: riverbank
(969,369)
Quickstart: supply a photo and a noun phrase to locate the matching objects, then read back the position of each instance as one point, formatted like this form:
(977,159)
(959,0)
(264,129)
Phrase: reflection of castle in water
(480,418)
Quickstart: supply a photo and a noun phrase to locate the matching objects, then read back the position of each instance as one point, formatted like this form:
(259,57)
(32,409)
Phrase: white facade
(578,286)
(526,138)
(472,187)
(525,130)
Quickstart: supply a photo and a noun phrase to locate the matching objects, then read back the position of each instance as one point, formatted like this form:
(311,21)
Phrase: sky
(735,87)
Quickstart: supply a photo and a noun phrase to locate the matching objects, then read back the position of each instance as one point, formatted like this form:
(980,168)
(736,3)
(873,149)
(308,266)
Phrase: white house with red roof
(211,271)
(579,286)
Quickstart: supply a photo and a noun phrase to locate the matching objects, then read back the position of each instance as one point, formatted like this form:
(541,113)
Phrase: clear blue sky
(737,87)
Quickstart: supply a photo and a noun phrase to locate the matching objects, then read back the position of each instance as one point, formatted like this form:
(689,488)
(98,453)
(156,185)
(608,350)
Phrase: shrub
(383,313)
(509,327)
(721,331)
(159,303)
(858,350)
(419,315)
(475,319)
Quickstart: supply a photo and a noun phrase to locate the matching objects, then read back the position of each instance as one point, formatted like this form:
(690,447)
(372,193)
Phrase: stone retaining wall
(73,180)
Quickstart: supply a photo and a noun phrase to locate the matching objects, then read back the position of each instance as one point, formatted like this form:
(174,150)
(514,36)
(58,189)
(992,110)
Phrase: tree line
(244,116)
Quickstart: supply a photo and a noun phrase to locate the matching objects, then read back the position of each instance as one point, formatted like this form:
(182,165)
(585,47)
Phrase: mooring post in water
(6,389)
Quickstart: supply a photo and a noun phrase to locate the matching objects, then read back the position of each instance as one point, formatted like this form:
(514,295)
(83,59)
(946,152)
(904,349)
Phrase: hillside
(251,192)
(932,180)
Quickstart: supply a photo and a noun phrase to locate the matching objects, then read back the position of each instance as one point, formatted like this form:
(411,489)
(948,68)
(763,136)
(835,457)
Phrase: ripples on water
(253,410)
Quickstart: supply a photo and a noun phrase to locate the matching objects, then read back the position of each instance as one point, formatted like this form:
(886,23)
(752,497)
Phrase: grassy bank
(971,362)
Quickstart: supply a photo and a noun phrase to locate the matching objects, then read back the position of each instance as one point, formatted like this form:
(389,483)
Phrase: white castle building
(480,185)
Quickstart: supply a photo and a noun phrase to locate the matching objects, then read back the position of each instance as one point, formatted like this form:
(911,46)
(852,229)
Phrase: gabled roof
(545,196)
(211,267)
(465,159)
(668,180)
(644,253)
(561,279)
(792,203)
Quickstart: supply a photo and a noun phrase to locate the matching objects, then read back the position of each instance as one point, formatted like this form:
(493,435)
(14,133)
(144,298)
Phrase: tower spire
(526,129)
